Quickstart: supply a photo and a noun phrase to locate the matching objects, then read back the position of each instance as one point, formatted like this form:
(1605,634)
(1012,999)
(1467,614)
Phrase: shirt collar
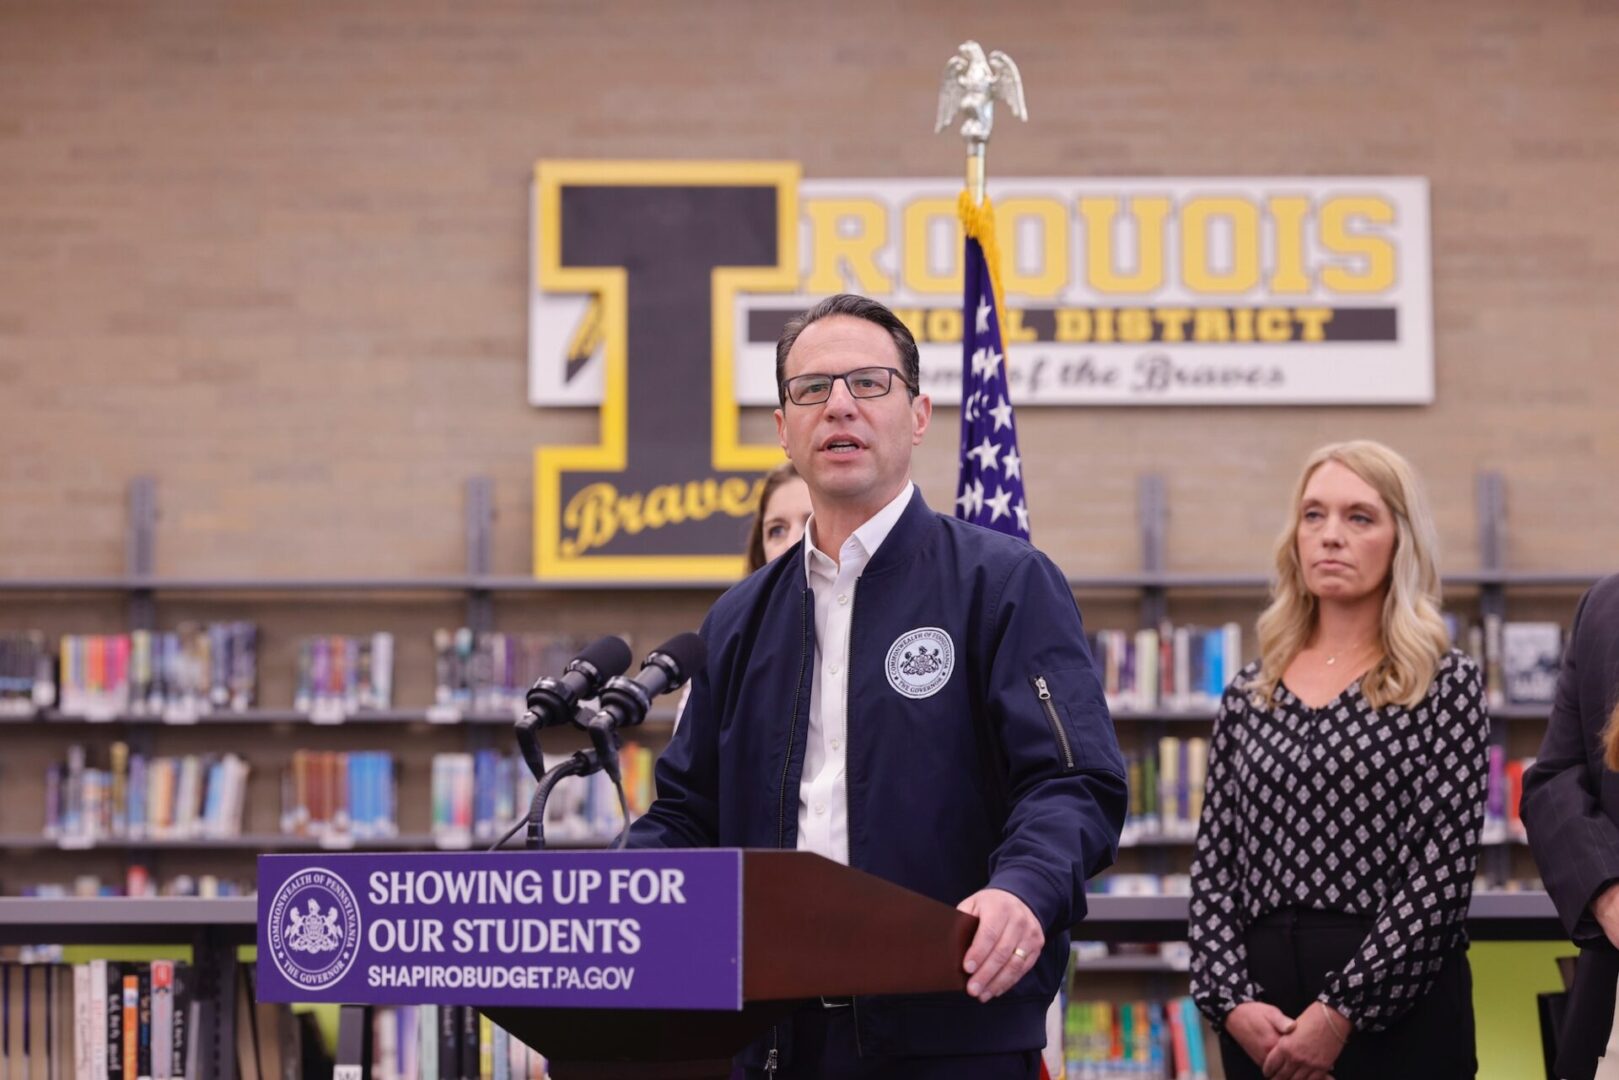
(869,536)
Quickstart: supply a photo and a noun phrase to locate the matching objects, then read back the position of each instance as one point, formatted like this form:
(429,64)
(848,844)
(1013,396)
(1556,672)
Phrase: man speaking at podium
(909,695)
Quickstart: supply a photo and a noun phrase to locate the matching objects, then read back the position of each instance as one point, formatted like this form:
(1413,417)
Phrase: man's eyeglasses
(866,382)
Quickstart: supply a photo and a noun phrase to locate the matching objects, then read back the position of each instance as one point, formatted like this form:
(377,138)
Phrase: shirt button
(820,808)
(836,743)
(833,669)
(843,598)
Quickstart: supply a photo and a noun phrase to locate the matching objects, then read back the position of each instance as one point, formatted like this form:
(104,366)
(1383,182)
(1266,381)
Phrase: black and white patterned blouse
(1343,808)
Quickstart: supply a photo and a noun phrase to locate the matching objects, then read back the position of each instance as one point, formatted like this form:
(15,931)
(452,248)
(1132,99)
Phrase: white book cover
(1531,655)
(235,798)
(1233,650)
(1197,773)
(382,668)
(1146,695)
(185,819)
(98,1020)
(162,1020)
(427,1042)
(81,1022)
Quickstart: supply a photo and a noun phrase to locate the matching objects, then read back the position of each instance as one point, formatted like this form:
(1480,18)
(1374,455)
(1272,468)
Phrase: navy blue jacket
(1008,775)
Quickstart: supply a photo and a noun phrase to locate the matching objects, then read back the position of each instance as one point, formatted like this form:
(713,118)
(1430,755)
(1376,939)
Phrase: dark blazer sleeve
(1575,842)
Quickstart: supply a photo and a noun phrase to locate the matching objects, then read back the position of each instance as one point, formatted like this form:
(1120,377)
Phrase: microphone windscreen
(608,655)
(687,651)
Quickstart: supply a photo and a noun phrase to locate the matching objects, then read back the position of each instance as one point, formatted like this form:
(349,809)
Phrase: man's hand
(1007,944)
(1309,1050)
(1257,1027)
(1605,910)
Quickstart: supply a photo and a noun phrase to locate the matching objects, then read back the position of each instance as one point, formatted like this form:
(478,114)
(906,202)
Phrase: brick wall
(274,253)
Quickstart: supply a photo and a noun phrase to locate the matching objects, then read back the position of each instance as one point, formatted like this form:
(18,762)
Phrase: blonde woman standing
(1340,828)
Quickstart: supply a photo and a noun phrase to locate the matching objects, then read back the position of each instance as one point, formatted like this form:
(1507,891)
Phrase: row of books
(191,671)
(184,674)
(325,794)
(1134,1040)
(199,669)
(202,668)
(101,1020)
(1187,667)
(1170,667)
(1166,783)
(447,1042)
(139,882)
(137,797)
(340,674)
(477,797)
(27,673)
(491,672)
(328,793)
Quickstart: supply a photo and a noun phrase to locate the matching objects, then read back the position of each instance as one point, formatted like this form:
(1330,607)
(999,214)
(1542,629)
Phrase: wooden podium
(810,927)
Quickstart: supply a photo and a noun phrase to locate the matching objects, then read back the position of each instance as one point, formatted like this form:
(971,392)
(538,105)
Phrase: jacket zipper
(772,1062)
(848,818)
(848,677)
(792,726)
(1044,694)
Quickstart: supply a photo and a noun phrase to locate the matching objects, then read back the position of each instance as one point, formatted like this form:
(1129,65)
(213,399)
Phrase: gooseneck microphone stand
(601,757)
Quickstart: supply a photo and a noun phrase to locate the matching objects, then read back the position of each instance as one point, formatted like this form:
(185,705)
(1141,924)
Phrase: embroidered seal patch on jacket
(920,661)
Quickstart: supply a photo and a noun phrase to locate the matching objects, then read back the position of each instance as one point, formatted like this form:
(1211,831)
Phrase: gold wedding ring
(1021,953)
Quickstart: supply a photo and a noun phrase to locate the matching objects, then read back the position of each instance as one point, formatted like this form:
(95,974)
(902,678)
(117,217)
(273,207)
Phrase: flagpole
(972,82)
(989,485)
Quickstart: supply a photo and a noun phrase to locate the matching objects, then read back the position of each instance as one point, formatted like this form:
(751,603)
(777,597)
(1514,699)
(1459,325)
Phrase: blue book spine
(213,803)
(390,796)
(1196,1055)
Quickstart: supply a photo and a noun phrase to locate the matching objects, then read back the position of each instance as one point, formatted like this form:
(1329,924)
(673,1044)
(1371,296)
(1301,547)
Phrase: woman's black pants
(1290,954)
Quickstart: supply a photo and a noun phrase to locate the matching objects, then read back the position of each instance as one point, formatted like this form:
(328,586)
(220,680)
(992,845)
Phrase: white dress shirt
(823,793)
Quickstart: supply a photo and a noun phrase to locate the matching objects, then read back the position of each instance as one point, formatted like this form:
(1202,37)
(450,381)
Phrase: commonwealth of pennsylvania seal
(313,930)
(920,662)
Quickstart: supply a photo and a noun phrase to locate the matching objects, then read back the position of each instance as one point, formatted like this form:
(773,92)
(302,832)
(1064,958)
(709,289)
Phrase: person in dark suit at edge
(1570,807)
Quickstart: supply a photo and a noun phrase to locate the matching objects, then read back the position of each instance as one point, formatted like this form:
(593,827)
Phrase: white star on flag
(972,500)
(998,505)
(1002,414)
(986,362)
(985,309)
(1012,465)
(988,454)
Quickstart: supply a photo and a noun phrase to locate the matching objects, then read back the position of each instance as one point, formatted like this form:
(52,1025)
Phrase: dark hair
(756,532)
(860,307)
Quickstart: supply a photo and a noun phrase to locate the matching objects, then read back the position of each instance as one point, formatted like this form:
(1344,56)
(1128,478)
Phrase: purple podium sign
(577,929)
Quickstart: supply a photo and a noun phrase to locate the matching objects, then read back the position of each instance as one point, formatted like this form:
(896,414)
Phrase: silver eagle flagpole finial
(970,85)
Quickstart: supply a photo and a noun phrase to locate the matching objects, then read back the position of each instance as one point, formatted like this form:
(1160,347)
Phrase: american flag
(990,490)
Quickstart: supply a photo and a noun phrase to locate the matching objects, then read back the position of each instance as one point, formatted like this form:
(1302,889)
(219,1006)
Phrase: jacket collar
(907,536)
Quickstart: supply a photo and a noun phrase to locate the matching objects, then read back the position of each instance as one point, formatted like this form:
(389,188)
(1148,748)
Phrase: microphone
(624,702)
(553,702)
